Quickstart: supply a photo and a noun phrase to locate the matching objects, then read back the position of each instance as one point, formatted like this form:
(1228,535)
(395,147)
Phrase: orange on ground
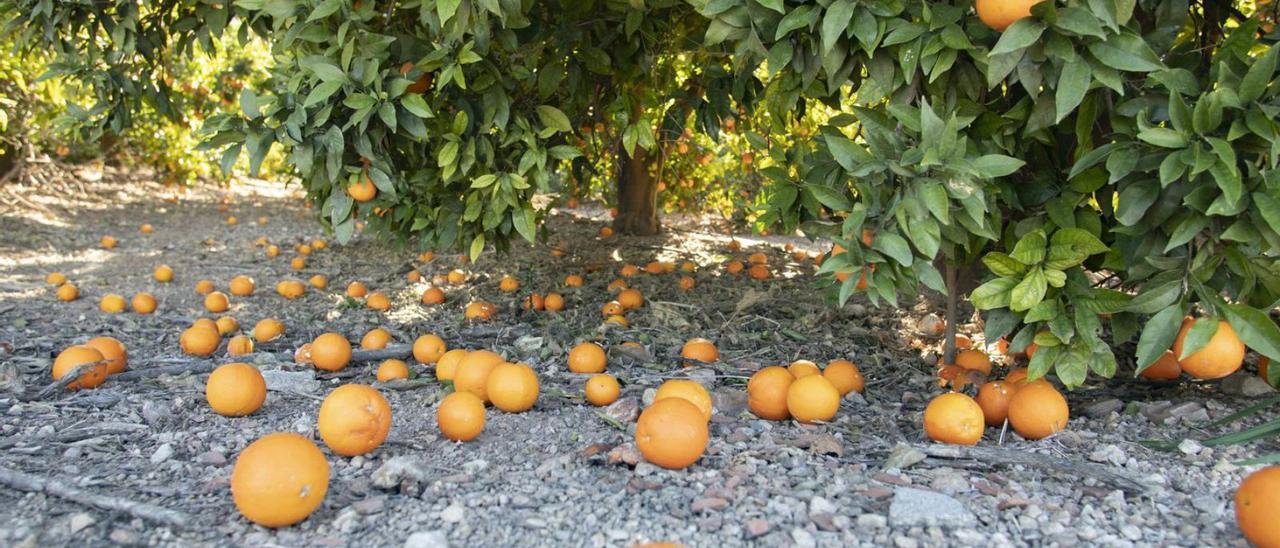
(413,276)
(207,323)
(433,296)
(688,266)
(1038,410)
(758,272)
(479,311)
(303,354)
(303,249)
(290,289)
(235,390)
(612,308)
(146,229)
(204,287)
(672,433)
(512,387)
(239,345)
(279,480)
(767,393)
(602,390)
(375,339)
(68,292)
(199,340)
(628,270)
(216,302)
(447,365)
(226,325)
(573,280)
(954,418)
(508,284)
(354,419)
(630,299)
(391,370)
(163,273)
(699,349)
(974,360)
(330,352)
(803,368)
(143,303)
(845,376)
(689,390)
(999,14)
(74,356)
(734,267)
(1257,499)
(356,290)
(1165,368)
(587,357)
(112,303)
(267,330)
(241,286)
(534,302)
(618,284)
(1222,356)
(606,232)
(457,277)
(687,283)
(812,398)
(378,301)
(618,320)
(654,267)
(757,258)
(554,302)
(429,348)
(994,398)
(472,374)
(318,281)
(460,416)
(273,251)
(113,351)
(108,242)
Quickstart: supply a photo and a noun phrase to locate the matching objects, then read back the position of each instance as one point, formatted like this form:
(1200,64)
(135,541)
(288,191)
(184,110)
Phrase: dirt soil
(564,473)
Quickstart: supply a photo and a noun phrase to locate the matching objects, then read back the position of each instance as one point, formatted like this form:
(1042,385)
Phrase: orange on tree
(241,286)
(163,273)
(553,302)
(378,301)
(803,368)
(1257,499)
(239,345)
(993,398)
(689,390)
(587,357)
(392,370)
(812,398)
(767,393)
(200,340)
(204,287)
(845,376)
(267,330)
(363,190)
(472,374)
(954,418)
(235,390)
(111,303)
(356,290)
(1165,368)
(701,350)
(671,433)
(279,480)
(602,390)
(429,348)
(1221,356)
(433,296)
(90,359)
(512,387)
(216,302)
(354,419)
(1000,14)
(143,303)
(68,292)
(375,339)
(330,352)
(447,365)
(460,416)
(1037,410)
(113,351)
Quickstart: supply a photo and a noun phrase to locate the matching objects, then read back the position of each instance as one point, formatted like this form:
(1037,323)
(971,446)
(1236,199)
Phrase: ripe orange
(457,277)
(701,350)
(1222,356)
(433,296)
(757,258)
(472,374)
(512,387)
(999,14)
(630,299)
(354,419)
(429,348)
(954,418)
(318,281)
(146,229)
(206,323)
(672,433)
(845,376)
(461,416)
(111,303)
(143,303)
(378,301)
(267,330)
(573,280)
(68,292)
(688,266)
(75,356)
(1256,501)
(758,272)
(689,390)
(391,370)
(108,242)
(993,398)
(356,290)
(628,270)
(767,393)
(479,311)
(602,390)
(163,273)
(1038,410)
(113,351)
(232,220)
(534,302)
(618,284)
(298,263)
(216,302)
(199,340)
(803,368)
(447,365)
(812,398)
(241,286)
(362,190)
(290,289)
(612,308)
(606,232)
(279,480)
(303,249)
(1016,377)
(734,267)
(734,246)
(55,279)
(376,339)
(330,352)
(974,360)
(414,276)
(235,390)
(654,267)
(687,283)
(618,320)
(508,284)
(272,251)
(587,357)
(1165,368)
(204,287)
(554,302)
(239,345)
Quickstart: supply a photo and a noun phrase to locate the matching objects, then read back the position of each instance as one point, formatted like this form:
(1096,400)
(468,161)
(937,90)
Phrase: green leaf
(523,220)
(1255,329)
(553,117)
(445,9)
(1079,239)
(321,92)
(1154,297)
(1030,291)
(1192,225)
(1158,335)
(775,5)
(1022,33)
(895,246)
(1163,137)
(997,165)
(1079,21)
(416,105)
(1073,83)
(477,246)
(327,71)
(993,294)
(1254,83)
(1127,52)
(843,149)
(1030,250)
(832,198)
(935,198)
(1003,265)
(1202,330)
(798,18)
(837,18)
(325,9)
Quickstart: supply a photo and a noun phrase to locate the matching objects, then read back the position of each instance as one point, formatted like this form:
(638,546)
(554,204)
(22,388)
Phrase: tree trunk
(637,196)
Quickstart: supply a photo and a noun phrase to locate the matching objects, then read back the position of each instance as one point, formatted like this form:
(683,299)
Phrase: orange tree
(1088,162)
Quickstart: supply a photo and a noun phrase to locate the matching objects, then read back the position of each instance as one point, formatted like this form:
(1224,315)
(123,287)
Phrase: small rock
(646,398)
(1190,447)
(1102,408)
(347,521)
(626,453)
(824,521)
(1246,384)
(371,505)
(124,537)
(215,458)
(826,444)
(475,466)
(1012,503)
(398,469)
(427,539)
(802,538)
(297,382)
(625,410)
(1208,505)
(756,527)
(730,402)
(819,505)
(902,456)
(1110,454)
(535,523)
(1157,411)
(453,514)
(80,522)
(705,504)
(643,468)
(1184,409)
(857,310)
(916,507)
(872,521)
(162,454)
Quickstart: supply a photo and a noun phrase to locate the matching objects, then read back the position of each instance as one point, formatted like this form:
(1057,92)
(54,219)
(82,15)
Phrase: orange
(108,242)
(143,303)
(803,368)
(163,273)
(433,296)
(688,266)
(378,301)
(999,14)
(687,283)
(508,284)
(447,365)
(954,418)
(461,416)
(701,350)
(303,249)
(204,287)
(273,251)
(1038,410)
(689,390)
(612,308)
(376,339)
(1222,356)
(199,340)
(330,352)
(318,281)
(146,229)
(111,303)
(734,267)
(235,390)
(587,357)
(479,311)
(472,374)
(68,292)
(303,354)
(602,390)
(113,351)
(239,345)
(279,480)
(512,387)
(734,245)
(241,286)
(618,284)
(75,356)
(630,299)
(554,302)
(813,398)
(354,419)
(606,232)
(414,276)
(298,263)
(1264,363)
(654,267)
(216,302)
(845,376)
(767,393)
(429,348)
(974,360)
(617,320)
(993,398)
(290,289)
(457,277)
(799,256)
(1256,501)
(757,258)
(426,256)
(55,279)
(206,323)
(758,272)
(628,270)
(267,330)
(573,280)
(963,342)
(356,290)
(362,190)
(1165,368)
(391,370)
(1016,377)
(672,433)
(232,220)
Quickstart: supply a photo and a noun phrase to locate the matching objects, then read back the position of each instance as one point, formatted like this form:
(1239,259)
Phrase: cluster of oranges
(91,362)
(802,391)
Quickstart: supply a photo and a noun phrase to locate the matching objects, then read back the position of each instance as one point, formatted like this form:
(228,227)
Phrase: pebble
(902,456)
(398,469)
(475,466)
(1109,454)
(757,527)
(215,458)
(872,521)
(371,505)
(1101,408)
(1190,447)
(124,537)
(709,504)
(819,505)
(80,522)
(162,454)
(916,507)
(803,538)
(297,382)
(427,539)
(624,410)
(453,514)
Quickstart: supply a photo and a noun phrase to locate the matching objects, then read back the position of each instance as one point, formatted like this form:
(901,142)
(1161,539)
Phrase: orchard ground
(559,474)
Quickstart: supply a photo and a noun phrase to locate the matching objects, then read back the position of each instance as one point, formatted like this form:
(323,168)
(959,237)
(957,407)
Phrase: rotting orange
(460,416)
(803,368)
(993,398)
(612,308)
(618,284)
(456,277)
(392,370)
(618,320)
(241,286)
(472,374)
(216,302)
(235,390)
(447,365)
(553,302)
(378,301)
(354,419)
(954,418)
(1000,14)
(318,281)
(163,273)
(512,387)
(587,357)
(204,287)
(375,339)
(356,290)
(279,480)
(671,433)
(1165,368)
(1221,356)
(239,345)
(602,390)
(113,351)
(1256,501)
(689,390)
(812,398)
(91,358)
(68,292)
(330,352)
(630,299)
(1038,410)
(111,303)
(268,329)
(845,376)
(429,348)
(508,284)
(199,340)
(767,393)
(303,354)
(143,303)
(701,350)
(433,296)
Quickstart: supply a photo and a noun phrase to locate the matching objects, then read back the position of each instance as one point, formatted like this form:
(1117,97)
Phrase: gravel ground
(563,474)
